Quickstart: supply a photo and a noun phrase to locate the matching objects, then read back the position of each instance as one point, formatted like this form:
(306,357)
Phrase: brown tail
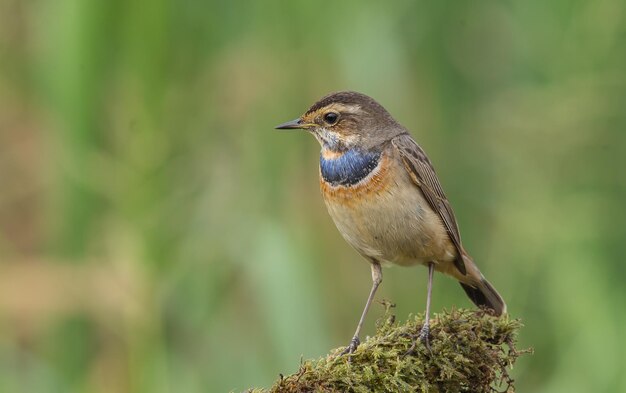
(484,294)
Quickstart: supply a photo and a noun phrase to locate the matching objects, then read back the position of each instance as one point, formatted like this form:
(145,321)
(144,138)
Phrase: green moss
(472,351)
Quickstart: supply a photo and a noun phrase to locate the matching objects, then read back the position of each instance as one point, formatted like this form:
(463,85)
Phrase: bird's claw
(424,337)
(354,343)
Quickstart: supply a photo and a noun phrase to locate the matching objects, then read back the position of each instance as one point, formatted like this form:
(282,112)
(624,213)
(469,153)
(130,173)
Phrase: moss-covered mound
(472,351)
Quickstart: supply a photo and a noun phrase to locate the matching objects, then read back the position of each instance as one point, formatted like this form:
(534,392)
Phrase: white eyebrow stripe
(353,108)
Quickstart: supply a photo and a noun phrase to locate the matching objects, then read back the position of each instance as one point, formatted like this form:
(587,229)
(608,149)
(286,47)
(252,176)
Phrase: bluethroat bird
(382,192)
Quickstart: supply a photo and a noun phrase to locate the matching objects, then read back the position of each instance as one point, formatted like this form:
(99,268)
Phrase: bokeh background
(157,235)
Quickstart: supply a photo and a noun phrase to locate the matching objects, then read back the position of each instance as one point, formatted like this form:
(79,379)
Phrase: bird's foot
(424,337)
(354,343)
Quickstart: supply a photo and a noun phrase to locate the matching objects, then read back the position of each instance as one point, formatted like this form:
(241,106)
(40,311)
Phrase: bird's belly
(387,218)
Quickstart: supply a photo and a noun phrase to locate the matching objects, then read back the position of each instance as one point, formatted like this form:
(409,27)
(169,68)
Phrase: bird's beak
(294,124)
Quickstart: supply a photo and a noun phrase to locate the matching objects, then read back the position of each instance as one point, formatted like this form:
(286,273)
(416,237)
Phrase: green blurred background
(157,235)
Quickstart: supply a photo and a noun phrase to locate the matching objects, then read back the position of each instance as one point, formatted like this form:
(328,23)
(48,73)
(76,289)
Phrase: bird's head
(345,120)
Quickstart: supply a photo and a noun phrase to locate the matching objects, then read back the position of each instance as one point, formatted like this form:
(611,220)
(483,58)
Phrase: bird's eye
(331,118)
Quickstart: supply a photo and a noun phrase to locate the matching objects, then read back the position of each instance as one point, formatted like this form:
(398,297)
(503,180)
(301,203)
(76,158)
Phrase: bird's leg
(377,278)
(426,328)
(425,331)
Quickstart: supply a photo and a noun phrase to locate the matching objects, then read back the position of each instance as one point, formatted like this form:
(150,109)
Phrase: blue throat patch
(349,168)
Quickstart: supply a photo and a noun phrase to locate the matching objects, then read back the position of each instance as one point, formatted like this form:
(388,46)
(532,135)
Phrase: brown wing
(423,175)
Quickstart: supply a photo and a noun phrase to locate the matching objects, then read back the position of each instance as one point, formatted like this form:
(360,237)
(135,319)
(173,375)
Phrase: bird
(383,194)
